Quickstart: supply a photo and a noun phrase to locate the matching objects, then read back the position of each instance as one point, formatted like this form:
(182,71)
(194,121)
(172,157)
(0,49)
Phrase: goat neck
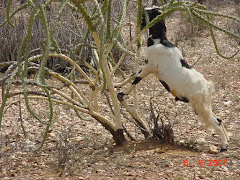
(158,35)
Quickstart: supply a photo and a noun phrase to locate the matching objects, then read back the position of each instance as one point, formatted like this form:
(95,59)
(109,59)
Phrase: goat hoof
(120,96)
(223,149)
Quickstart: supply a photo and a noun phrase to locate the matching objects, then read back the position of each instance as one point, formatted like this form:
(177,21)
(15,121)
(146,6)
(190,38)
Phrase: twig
(29,92)
(124,128)
(21,119)
(196,62)
(109,102)
(152,115)
(128,134)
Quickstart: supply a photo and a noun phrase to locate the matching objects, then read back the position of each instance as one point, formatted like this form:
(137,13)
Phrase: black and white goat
(165,61)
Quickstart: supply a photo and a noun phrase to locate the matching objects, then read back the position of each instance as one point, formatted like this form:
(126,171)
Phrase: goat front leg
(123,83)
(137,78)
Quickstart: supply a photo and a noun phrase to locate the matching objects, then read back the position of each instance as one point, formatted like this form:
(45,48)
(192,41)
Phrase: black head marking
(166,43)
(150,42)
(158,31)
(149,14)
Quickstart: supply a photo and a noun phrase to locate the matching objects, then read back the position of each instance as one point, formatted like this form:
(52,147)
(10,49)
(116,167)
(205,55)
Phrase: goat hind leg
(218,126)
(210,120)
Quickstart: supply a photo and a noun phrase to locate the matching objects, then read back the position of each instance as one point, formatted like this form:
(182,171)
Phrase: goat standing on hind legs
(165,61)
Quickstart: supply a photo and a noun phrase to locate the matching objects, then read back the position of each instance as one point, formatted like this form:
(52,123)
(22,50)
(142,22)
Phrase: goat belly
(185,83)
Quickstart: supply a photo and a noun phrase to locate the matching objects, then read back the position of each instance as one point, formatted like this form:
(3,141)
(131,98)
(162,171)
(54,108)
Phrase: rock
(182,141)
(227,103)
(201,140)
(80,178)
(78,138)
(6,178)
(52,135)
(213,150)
(229,134)
(4,149)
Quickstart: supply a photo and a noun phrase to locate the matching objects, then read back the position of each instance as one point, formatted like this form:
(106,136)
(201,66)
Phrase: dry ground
(82,149)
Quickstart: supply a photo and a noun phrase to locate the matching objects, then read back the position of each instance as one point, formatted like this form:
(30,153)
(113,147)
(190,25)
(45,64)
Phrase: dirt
(81,149)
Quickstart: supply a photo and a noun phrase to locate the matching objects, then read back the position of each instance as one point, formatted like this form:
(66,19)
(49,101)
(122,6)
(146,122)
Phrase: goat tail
(201,102)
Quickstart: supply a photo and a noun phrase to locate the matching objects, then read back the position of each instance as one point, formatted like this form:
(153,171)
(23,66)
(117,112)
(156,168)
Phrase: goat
(165,60)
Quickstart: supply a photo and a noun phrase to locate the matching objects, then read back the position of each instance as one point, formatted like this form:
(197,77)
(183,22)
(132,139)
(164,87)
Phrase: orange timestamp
(209,162)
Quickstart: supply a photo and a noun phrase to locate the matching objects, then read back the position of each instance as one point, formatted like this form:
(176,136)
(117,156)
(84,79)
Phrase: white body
(183,82)
(166,62)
